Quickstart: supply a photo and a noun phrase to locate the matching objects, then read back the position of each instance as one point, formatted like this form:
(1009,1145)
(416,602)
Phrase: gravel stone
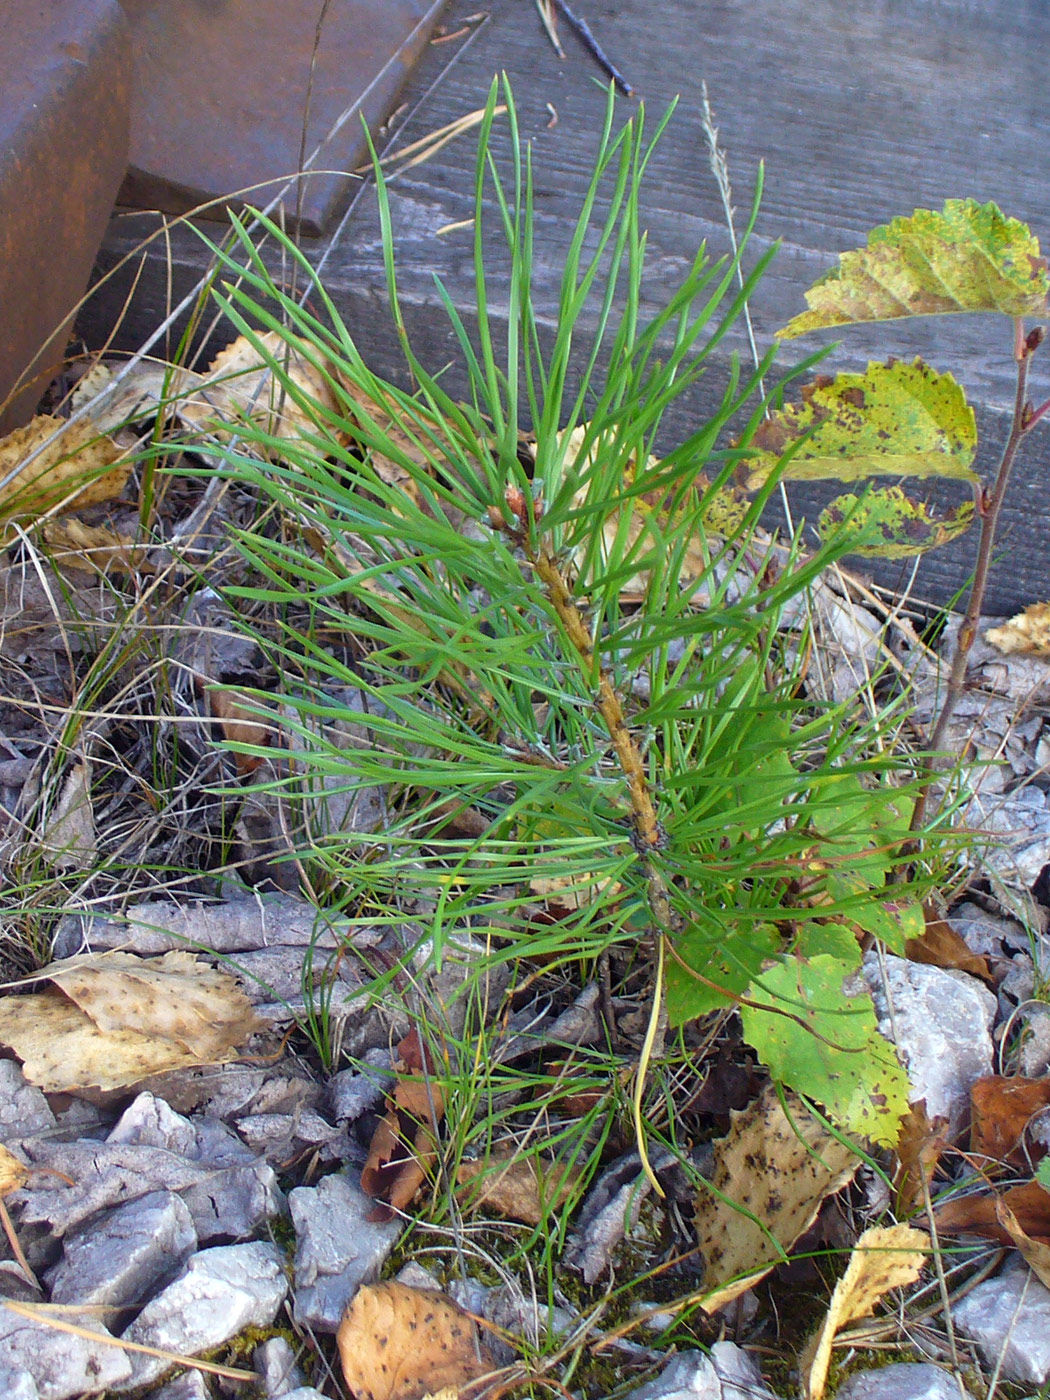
(941,1023)
(122,1256)
(1009,1317)
(18,1385)
(61,1364)
(275,1364)
(337,1248)
(903,1381)
(221,1292)
(191,1385)
(23,1108)
(352,1092)
(727,1374)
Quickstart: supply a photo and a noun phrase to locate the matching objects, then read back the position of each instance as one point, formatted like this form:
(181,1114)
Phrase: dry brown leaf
(1002,1106)
(779,1169)
(1036,1253)
(941,946)
(113,1019)
(979,1215)
(240,385)
(1027,633)
(401,1343)
(403,1145)
(79,468)
(884,1257)
(241,725)
(94,548)
(517,1187)
(13,1173)
(920,1145)
(69,838)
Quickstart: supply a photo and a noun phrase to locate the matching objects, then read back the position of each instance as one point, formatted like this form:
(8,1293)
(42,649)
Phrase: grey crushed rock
(220,1292)
(18,1385)
(123,1255)
(275,1364)
(1009,1318)
(191,1385)
(903,1381)
(23,1108)
(940,1022)
(337,1248)
(229,1191)
(352,1092)
(62,1364)
(728,1373)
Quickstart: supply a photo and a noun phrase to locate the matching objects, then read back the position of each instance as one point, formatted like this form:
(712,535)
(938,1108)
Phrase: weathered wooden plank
(861,110)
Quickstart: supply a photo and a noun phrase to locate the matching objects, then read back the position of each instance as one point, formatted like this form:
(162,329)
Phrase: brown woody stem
(1021,423)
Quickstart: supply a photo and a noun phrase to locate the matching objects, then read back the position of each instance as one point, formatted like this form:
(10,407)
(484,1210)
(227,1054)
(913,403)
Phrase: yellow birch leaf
(13,1173)
(401,1343)
(773,1171)
(885,1257)
(113,1019)
(1028,633)
(80,468)
(94,549)
(240,386)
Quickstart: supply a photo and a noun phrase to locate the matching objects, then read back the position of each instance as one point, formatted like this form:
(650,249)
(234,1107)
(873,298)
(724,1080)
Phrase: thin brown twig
(991,504)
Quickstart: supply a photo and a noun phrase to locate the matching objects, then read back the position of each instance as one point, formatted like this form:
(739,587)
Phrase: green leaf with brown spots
(968,257)
(896,419)
(887,524)
(829,1047)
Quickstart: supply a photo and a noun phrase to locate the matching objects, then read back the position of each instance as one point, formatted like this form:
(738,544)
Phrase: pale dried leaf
(885,1257)
(62,1050)
(240,385)
(173,996)
(93,548)
(516,1187)
(401,1343)
(118,1019)
(69,839)
(79,468)
(1036,1253)
(1028,633)
(779,1168)
(13,1173)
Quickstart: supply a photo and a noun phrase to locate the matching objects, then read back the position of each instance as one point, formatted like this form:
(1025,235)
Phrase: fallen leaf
(240,386)
(1029,1206)
(779,1163)
(80,468)
(93,548)
(1027,633)
(69,838)
(885,1257)
(941,946)
(919,1149)
(517,1187)
(13,1173)
(1002,1107)
(1036,1253)
(113,1019)
(401,1343)
(403,1146)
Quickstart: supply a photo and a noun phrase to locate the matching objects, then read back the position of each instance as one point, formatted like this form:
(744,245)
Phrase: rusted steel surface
(64,104)
(224,89)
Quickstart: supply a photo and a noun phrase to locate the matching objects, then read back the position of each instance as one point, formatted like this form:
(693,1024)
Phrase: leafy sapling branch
(902,419)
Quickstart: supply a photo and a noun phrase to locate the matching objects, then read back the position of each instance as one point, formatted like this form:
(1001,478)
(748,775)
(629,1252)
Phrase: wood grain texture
(860,109)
